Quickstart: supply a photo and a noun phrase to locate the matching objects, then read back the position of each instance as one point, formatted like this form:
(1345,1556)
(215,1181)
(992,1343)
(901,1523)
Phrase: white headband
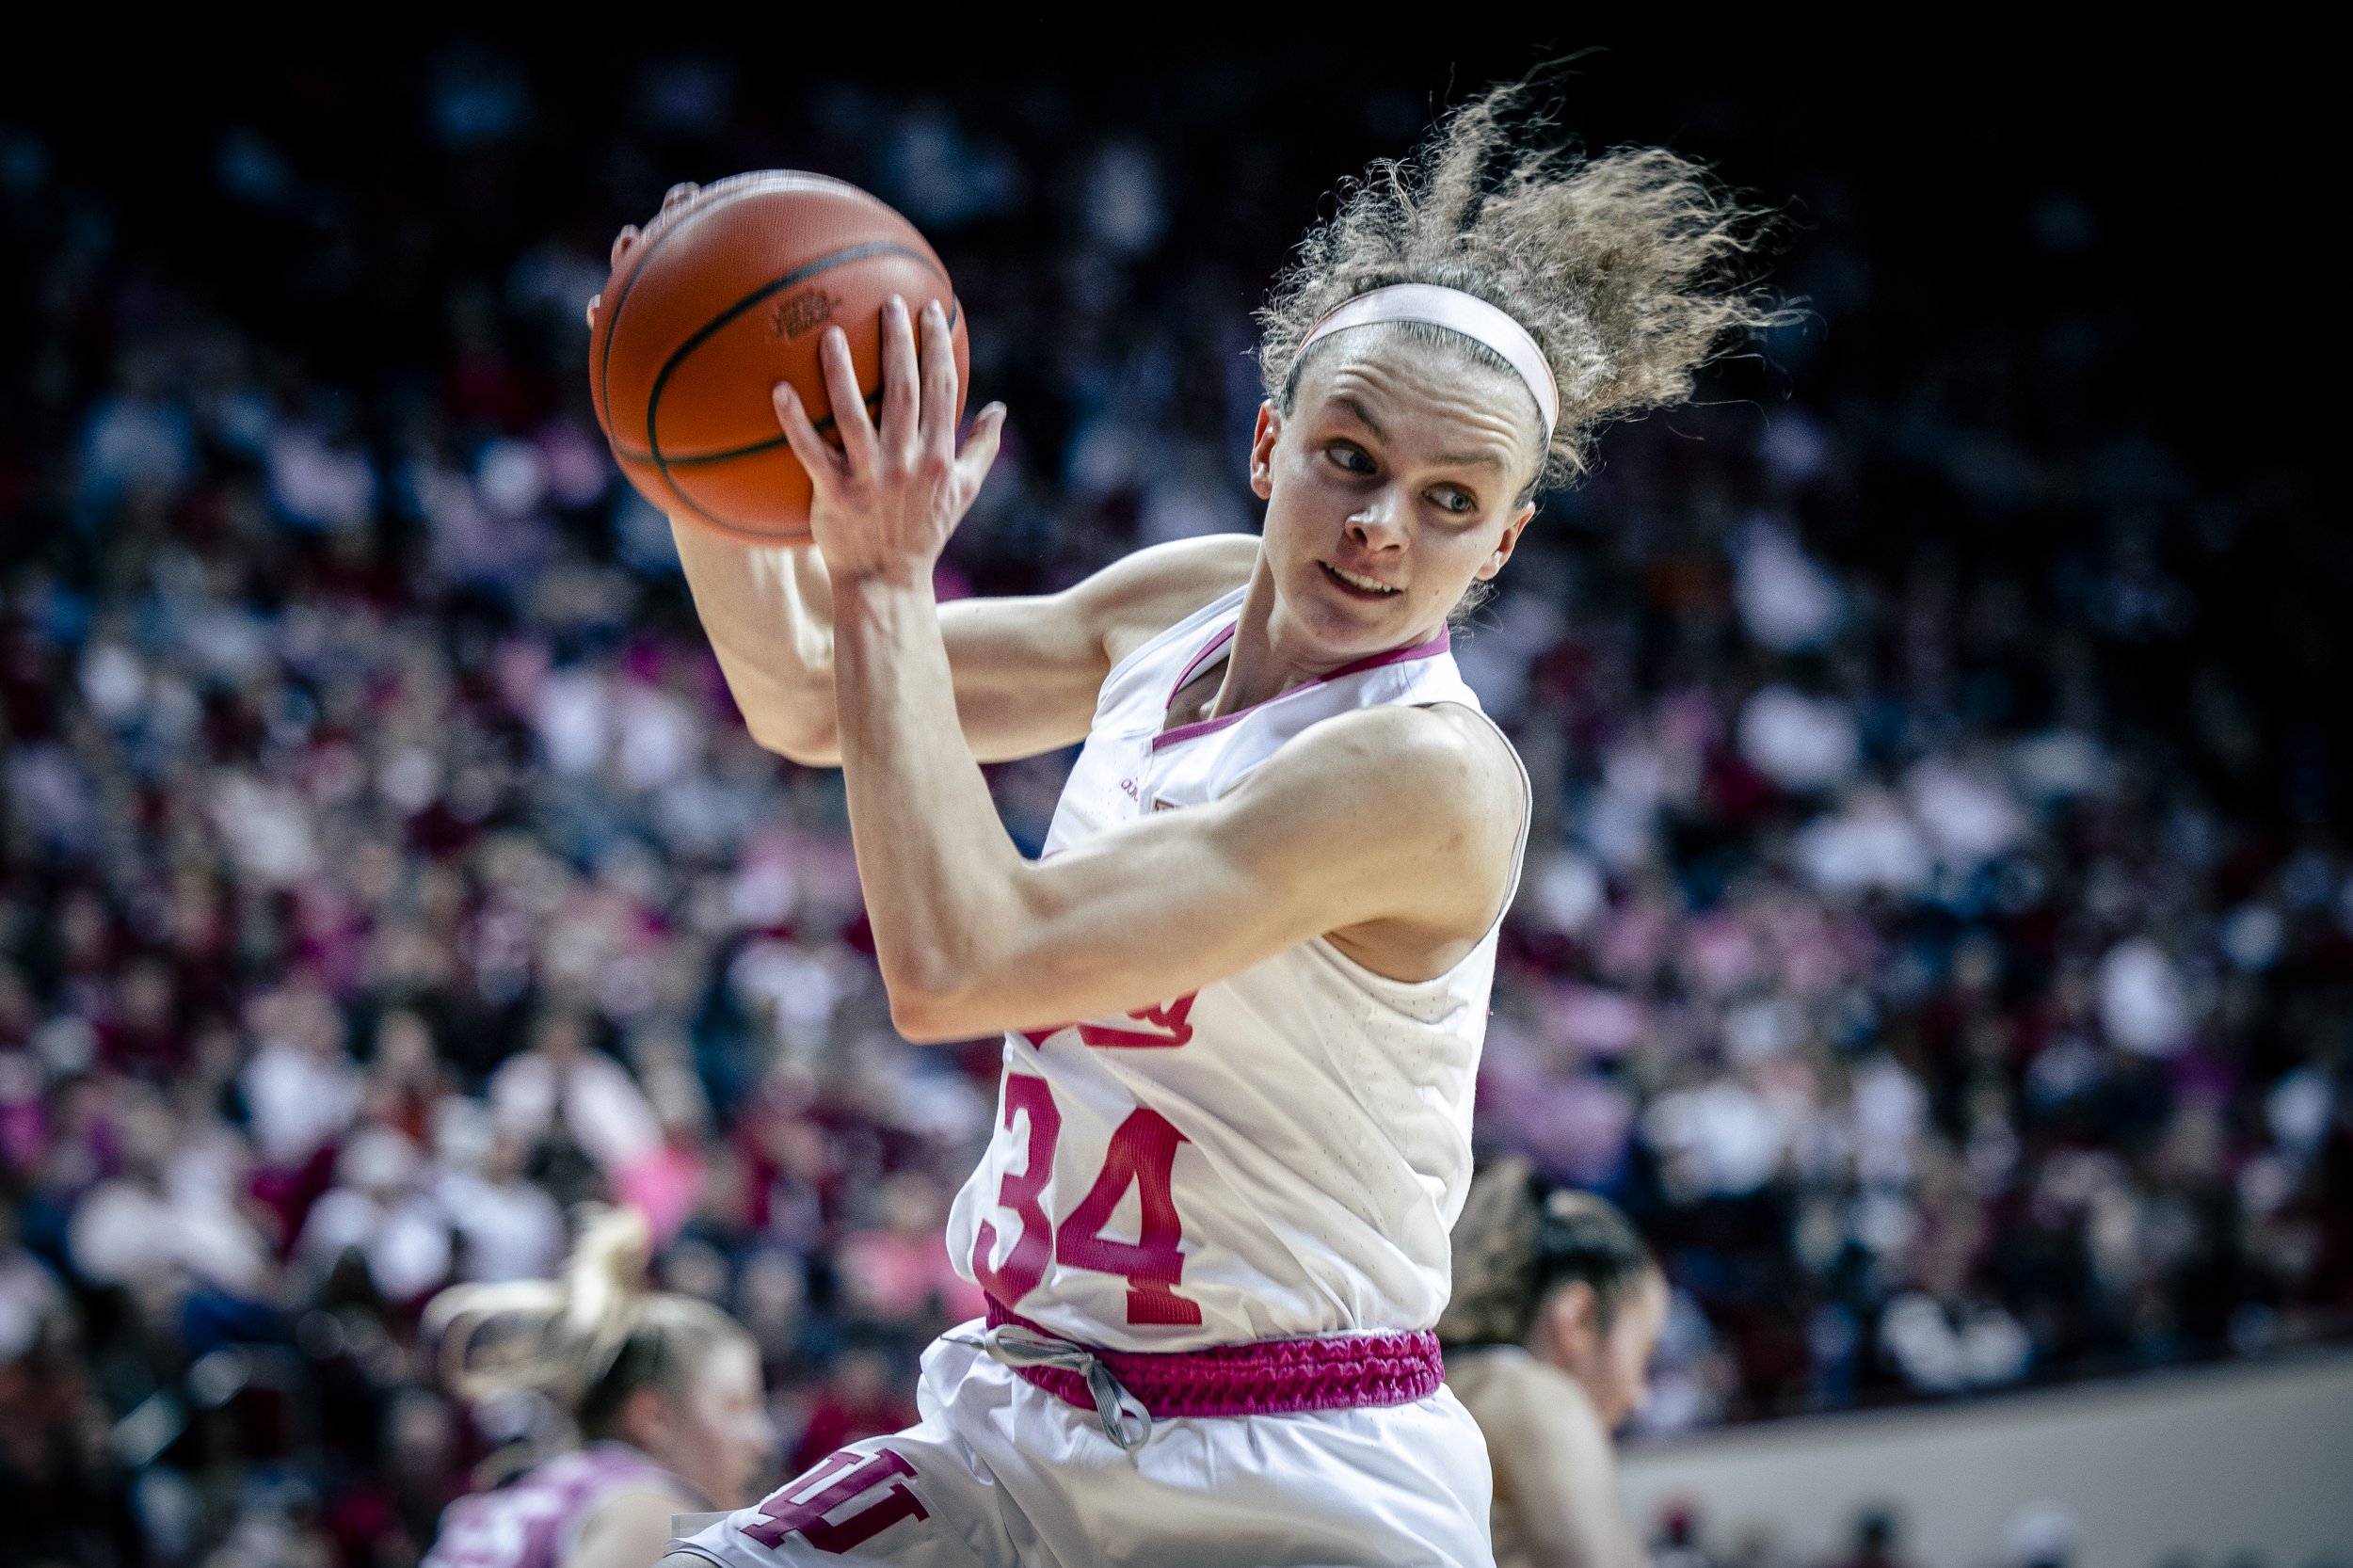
(1456,311)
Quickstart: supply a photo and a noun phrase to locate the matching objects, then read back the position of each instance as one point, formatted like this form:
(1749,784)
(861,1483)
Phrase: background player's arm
(1554,1465)
(1026,671)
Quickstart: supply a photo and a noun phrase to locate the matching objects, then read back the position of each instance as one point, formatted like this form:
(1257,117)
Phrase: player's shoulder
(1511,1392)
(1440,776)
(1441,750)
(1140,596)
(629,1525)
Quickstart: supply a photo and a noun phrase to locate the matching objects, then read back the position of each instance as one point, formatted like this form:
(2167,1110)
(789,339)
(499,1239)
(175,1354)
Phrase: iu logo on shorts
(811,1508)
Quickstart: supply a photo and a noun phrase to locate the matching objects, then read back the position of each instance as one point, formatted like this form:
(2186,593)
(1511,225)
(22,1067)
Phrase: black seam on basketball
(710,195)
(955,309)
(678,355)
(754,449)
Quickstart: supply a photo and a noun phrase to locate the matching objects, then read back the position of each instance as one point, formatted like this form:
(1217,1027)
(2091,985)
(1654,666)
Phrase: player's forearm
(938,870)
(769,615)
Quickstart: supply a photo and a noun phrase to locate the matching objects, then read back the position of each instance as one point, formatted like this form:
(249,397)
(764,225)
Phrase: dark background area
(2062,1095)
(2150,212)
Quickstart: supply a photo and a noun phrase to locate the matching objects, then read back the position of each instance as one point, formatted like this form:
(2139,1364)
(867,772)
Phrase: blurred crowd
(1945,961)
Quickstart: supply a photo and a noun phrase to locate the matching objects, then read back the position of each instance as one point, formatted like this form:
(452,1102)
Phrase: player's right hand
(882,507)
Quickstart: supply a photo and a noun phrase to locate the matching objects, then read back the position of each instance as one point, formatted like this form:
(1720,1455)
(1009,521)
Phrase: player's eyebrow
(1450,459)
(1363,417)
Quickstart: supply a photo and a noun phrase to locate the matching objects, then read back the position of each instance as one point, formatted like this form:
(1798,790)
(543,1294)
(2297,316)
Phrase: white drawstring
(1011,1345)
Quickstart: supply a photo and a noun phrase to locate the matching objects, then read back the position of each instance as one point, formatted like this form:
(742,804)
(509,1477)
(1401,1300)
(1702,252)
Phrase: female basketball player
(665,1389)
(1556,1308)
(1243,990)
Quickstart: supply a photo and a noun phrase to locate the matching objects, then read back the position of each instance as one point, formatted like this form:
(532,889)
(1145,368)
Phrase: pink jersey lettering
(1143,1153)
(1025,1266)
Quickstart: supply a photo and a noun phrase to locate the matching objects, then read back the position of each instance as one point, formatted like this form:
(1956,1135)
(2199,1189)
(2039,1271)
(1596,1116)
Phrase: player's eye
(1454,501)
(1349,456)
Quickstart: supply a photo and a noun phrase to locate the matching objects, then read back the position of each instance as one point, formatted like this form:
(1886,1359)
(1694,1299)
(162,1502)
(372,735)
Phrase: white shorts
(999,1473)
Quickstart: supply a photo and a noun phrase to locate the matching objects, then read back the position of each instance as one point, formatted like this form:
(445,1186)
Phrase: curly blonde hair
(1622,267)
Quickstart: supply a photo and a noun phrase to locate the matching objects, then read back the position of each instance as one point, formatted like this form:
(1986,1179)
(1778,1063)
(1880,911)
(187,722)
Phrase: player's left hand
(676,197)
(884,505)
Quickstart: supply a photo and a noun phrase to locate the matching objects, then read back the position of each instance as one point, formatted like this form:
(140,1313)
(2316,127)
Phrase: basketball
(722,297)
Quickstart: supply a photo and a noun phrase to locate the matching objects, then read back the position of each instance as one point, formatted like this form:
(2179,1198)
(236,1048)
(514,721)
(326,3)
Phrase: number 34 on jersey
(1141,1154)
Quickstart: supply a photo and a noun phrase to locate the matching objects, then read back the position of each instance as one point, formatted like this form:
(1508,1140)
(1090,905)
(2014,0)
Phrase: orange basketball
(718,301)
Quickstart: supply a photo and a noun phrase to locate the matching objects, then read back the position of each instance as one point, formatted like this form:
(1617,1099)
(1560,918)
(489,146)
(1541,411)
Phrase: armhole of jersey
(1528,814)
(1510,886)
(1158,640)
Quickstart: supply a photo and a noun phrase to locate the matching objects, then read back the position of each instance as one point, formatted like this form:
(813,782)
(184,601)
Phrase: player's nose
(1379,523)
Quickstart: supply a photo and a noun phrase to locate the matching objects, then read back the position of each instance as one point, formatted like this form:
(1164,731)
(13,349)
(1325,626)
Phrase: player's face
(722,1440)
(1392,484)
(1617,1376)
(1612,1364)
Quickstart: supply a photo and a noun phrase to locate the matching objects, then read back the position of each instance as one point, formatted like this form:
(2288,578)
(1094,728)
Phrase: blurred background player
(663,1392)
(1270,892)
(1558,1306)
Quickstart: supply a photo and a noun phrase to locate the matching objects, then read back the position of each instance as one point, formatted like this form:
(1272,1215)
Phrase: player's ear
(647,1418)
(1262,442)
(1573,1322)
(1507,544)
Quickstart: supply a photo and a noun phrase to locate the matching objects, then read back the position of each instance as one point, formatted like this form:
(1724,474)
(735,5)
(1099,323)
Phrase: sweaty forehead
(1425,398)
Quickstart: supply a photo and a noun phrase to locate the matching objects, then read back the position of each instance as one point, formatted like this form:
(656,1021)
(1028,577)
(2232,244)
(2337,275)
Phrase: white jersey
(1282,1153)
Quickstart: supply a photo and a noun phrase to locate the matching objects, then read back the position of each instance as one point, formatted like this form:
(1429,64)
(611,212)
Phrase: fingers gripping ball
(724,295)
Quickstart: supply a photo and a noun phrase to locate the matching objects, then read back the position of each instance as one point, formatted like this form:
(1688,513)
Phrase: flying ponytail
(1520,1237)
(587,1340)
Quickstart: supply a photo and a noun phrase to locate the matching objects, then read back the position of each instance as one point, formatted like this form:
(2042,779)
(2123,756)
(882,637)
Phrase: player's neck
(1268,656)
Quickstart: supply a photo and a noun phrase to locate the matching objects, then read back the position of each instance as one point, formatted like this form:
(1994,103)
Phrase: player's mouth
(1360,587)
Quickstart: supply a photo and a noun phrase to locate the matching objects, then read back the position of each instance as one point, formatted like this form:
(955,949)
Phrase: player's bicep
(1131,920)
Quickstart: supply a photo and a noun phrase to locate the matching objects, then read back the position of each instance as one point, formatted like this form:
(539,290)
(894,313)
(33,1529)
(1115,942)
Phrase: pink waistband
(1270,1377)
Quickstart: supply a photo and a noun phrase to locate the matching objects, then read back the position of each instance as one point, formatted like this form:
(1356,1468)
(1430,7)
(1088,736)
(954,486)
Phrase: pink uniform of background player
(1243,991)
